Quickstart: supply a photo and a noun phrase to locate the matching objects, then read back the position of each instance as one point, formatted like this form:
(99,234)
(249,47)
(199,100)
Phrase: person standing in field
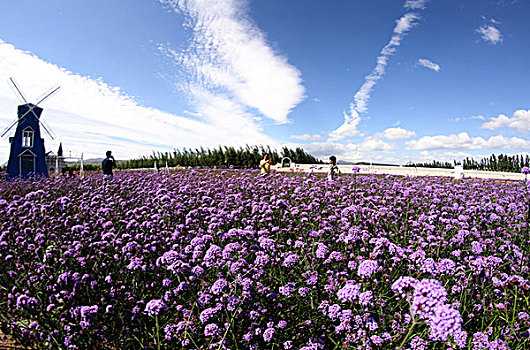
(265,164)
(107,165)
(333,168)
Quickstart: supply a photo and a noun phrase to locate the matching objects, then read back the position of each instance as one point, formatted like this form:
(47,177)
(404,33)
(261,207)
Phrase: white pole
(155,166)
(167,168)
(82,167)
(57,165)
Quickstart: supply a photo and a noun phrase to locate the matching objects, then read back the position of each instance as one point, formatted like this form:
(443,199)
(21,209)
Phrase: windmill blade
(17,91)
(48,131)
(48,94)
(47,128)
(44,124)
(6,130)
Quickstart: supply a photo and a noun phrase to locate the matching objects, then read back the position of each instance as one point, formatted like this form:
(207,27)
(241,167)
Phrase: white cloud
(479,117)
(490,34)
(428,64)
(348,128)
(370,147)
(375,144)
(362,96)
(415,4)
(229,57)
(307,137)
(520,121)
(426,156)
(394,134)
(460,141)
(90,116)
(463,141)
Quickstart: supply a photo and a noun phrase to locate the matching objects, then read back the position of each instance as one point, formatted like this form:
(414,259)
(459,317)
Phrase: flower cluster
(228,259)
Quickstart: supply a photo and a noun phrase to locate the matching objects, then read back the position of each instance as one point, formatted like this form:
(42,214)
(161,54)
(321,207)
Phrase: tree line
(221,157)
(502,162)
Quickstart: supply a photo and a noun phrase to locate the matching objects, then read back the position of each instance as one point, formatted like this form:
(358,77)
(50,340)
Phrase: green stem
(513,313)
(157,333)
(408,334)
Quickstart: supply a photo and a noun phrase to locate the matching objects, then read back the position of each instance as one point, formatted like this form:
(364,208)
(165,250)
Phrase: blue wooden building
(27,157)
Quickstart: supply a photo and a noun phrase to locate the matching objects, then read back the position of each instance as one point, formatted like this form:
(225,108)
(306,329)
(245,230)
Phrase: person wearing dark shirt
(333,168)
(107,165)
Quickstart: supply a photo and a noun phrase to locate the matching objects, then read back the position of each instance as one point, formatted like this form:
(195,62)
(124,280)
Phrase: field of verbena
(233,260)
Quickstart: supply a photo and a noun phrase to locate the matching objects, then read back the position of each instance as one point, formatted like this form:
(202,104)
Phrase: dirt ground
(8,343)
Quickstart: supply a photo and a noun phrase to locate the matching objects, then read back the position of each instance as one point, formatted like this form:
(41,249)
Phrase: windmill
(27,156)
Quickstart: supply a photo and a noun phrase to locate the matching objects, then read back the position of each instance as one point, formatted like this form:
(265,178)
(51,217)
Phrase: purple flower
(311,277)
(365,298)
(418,343)
(404,285)
(290,260)
(322,250)
(166,282)
(219,286)
(428,294)
(304,291)
(267,335)
(87,312)
(371,324)
(377,340)
(349,292)
(355,169)
(525,170)
(445,321)
(367,268)
(334,311)
(154,307)
(24,301)
(287,290)
(211,330)
(476,248)
(208,313)
(288,345)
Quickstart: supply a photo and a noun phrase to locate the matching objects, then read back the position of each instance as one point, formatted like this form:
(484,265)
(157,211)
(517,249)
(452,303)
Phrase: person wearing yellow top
(265,165)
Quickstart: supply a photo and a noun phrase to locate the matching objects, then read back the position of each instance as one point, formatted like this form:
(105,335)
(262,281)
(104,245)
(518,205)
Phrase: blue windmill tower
(27,157)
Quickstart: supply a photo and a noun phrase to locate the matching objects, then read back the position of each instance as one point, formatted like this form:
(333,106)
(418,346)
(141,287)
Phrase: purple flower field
(232,260)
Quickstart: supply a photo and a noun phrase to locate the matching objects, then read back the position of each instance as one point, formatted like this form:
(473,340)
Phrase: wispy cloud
(361,98)
(349,127)
(90,116)
(415,4)
(307,137)
(520,121)
(489,32)
(229,57)
(428,64)
(473,117)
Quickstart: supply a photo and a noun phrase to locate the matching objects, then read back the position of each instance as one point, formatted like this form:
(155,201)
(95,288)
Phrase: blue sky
(382,80)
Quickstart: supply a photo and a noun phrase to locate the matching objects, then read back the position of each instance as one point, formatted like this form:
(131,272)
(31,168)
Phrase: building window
(27,138)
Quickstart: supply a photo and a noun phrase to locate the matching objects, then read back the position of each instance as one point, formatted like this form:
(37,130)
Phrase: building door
(27,164)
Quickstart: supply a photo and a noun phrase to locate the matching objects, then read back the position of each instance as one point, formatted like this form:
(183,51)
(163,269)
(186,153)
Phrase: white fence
(405,171)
